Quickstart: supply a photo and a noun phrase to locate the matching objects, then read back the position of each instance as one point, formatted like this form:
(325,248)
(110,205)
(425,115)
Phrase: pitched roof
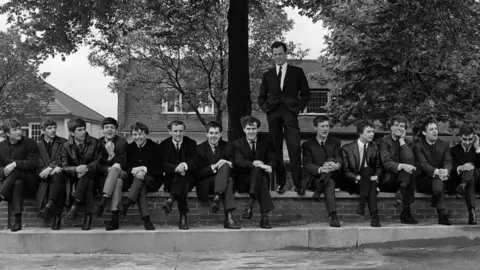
(66,105)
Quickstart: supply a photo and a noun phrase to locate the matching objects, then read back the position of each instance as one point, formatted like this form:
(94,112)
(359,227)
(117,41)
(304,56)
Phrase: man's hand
(374,178)
(180,168)
(80,174)
(116,165)
(358,179)
(443,174)
(408,168)
(9,168)
(56,170)
(45,173)
(140,175)
(257,163)
(110,147)
(466,167)
(267,168)
(82,169)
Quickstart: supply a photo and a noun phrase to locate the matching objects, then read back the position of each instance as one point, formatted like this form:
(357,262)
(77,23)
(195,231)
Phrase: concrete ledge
(134,240)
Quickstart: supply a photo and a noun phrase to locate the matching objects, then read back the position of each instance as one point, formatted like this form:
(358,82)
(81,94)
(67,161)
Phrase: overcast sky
(88,85)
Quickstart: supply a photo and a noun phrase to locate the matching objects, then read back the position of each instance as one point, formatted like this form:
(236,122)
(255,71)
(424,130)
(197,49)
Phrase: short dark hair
(249,120)
(428,121)
(139,126)
(362,124)
(10,123)
(320,119)
(109,121)
(465,130)
(399,119)
(176,123)
(47,122)
(75,123)
(213,124)
(278,44)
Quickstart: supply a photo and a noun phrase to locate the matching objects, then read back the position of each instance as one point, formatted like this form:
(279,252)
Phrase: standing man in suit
(362,168)
(254,160)
(322,160)
(180,163)
(80,159)
(465,164)
(18,165)
(284,93)
(112,170)
(215,161)
(50,173)
(396,154)
(144,166)
(434,161)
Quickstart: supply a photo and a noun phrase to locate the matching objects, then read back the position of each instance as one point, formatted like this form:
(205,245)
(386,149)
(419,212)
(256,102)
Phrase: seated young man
(80,159)
(112,170)
(18,165)
(215,158)
(144,160)
(52,180)
(465,164)
(322,160)
(362,169)
(254,159)
(179,163)
(434,163)
(396,154)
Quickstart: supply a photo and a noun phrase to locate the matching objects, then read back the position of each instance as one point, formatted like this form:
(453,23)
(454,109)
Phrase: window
(34,131)
(174,105)
(318,102)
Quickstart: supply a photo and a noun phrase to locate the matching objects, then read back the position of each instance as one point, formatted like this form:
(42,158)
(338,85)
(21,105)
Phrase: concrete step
(135,240)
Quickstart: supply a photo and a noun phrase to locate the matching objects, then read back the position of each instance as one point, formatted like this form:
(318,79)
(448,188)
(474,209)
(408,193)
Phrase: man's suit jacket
(314,156)
(244,157)
(206,157)
(351,160)
(120,152)
(149,155)
(388,156)
(187,154)
(427,163)
(91,156)
(459,157)
(295,93)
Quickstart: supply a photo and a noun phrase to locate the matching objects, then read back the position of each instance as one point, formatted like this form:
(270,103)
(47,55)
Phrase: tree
(23,90)
(413,57)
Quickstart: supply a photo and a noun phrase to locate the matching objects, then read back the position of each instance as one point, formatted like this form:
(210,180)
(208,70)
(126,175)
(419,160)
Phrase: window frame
(179,110)
(320,90)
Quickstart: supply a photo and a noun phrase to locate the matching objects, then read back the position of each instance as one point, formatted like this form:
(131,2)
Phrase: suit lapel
(44,152)
(356,154)
(55,147)
(287,76)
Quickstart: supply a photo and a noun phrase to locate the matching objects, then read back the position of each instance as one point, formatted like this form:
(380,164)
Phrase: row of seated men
(113,166)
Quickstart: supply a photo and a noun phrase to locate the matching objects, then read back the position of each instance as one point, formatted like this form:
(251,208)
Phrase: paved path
(398,258)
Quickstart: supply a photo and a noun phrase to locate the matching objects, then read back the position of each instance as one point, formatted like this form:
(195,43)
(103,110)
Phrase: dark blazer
(459,157)
(314,157)
(187,154)
(120,153)
(351,160)
(426,163)
(149,156)
(388,156)
(244,157)
(91,156)
(295,94)
(206,157)
(25,153)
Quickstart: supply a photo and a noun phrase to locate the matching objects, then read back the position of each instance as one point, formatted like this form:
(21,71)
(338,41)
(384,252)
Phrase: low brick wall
(290,209)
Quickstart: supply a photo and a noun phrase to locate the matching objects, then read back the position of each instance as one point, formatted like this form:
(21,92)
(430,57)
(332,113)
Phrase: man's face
(398,129)
(79,134)
(467,140)
(251,131)
(139,137)
(50,132)
(431,132)
(214,135)
(15,133)
(177,132)
(323,128)
(109,131)
(367,134)
(279,56)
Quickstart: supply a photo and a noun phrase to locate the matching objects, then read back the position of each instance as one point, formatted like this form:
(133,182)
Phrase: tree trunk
(239,102)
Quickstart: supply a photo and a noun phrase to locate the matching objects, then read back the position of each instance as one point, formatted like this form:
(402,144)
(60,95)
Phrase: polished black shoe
(113,225)
(316,196)
(122,208)
(148,225)
(281,189)
(45,212)
(183,223)
(87,222)
(461,189)
(434,200)
(472,217)
(72,213)
(101,207)
(361,209)
(167,207)
(300,191)
(265,223)
(57,222)
(334,222)
(443,219)
(247,214)
(17,225)
(215,206)
(406,217)
(375,221)
(230,223)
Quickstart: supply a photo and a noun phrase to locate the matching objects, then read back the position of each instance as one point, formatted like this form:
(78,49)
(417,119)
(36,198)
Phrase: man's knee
(225,168)
(119,183)
(19,185)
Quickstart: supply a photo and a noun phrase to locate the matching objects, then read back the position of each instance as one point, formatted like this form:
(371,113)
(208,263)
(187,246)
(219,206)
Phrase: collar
(431,144)
(175,142)
(284,68)
(361,144)
(47,141)
(212,146)
(319,140)
(18,142)
(253,141)
(465,149)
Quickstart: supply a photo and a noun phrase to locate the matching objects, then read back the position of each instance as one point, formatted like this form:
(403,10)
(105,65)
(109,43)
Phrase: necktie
(253,149)
(364,157)
(214,149)
(177,146)
(279,77)
(397,151)
(322,144)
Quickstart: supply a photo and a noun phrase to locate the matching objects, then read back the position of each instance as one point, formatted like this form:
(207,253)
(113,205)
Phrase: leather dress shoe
(17,225)
(247,214)
(167,207)
(112,225)
(230,223)
(45,212)
(148,225)
(300,191)
(72,214)
(316,196)
(472,217)
(87,222)
(406,217)
(334,222)
(56,223)
(215,206)
(375,221)
(183,223)
(361,209)
(461,189)
(265,223)
(281,189)
(443,219)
